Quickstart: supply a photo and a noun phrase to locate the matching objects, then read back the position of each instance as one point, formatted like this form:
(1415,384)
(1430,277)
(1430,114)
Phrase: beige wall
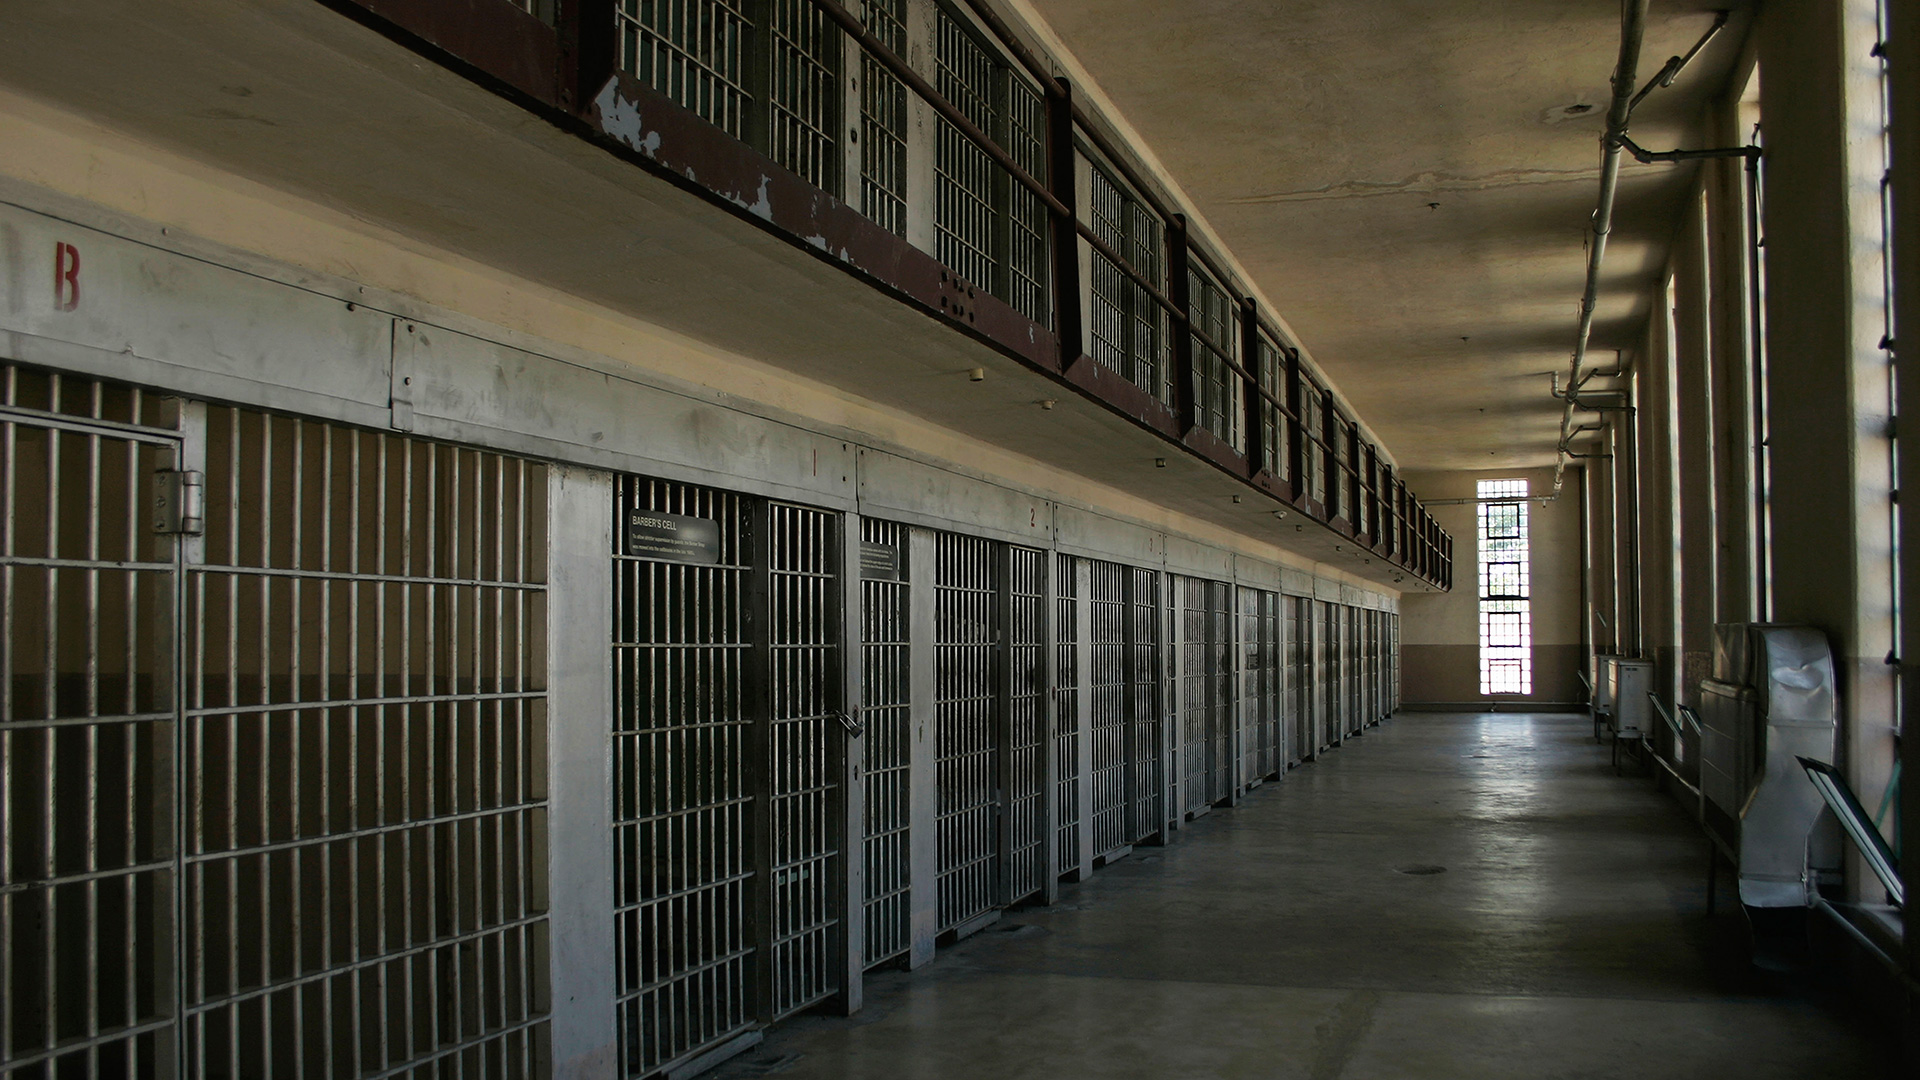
(1440,633)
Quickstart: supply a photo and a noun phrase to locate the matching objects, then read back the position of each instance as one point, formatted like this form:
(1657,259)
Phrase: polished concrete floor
(1567,937)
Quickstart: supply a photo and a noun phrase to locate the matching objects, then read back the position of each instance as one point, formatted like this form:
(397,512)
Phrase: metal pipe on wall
(1633,26)
(1633,17)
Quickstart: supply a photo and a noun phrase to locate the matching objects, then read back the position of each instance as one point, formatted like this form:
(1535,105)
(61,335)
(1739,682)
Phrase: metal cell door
(1300,676)
(1066,713)
(1027,702)
(1254,740)
(1354,660)
(1259,709)
(886,710)
(363,750)
(1147,750)
(1327,675)
(1221,741)
(1372,650)
(1112,706)
(968,746)
(1194,650)
(1393,662)
(684,780)
(802,673)
(88,872)
(726,750)
(1369,666)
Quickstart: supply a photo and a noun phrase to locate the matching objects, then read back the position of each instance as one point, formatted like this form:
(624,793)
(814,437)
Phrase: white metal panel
(899,488)
(580,810)
(1093,535)
(1191,557)
(220,332)
(1258,572)
(482,391)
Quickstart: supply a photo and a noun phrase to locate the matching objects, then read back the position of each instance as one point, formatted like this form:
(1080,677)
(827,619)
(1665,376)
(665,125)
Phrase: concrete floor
(1566,938)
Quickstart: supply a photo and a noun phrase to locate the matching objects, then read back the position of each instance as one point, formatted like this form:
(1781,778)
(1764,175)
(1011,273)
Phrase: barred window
(693,51)
(1273,421)
(803,90)
(1314,445)
(702,54)
(883,121)
(988,229)
(1129,328)
(1216,386)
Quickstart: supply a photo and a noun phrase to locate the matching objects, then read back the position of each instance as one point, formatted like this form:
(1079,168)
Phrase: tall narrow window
(1506,617)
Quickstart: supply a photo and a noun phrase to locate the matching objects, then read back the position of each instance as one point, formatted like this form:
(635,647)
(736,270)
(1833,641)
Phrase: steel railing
(582,44)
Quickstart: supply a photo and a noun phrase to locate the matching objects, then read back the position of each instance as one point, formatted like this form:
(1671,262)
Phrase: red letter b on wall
(66,277)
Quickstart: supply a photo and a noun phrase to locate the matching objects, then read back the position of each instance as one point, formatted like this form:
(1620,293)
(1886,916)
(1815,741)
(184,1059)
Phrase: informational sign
(880,562)
(672,537)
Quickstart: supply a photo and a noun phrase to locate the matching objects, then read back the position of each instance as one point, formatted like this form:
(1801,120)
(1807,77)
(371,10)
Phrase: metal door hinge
(179,502)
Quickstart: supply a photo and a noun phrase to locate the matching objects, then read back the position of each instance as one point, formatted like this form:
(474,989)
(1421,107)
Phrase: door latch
(179,502)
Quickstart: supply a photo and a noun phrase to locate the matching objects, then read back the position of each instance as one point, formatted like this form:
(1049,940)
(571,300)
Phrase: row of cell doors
(777,826)
(274,738)
(1309,674)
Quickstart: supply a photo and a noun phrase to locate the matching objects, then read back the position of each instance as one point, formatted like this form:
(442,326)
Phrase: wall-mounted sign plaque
(672,537)
(880,562)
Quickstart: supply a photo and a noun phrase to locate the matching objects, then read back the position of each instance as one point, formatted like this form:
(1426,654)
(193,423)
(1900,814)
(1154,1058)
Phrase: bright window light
(1506,616)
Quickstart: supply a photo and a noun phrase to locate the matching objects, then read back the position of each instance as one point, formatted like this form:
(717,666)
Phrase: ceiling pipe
(1633,26)
(1626,72)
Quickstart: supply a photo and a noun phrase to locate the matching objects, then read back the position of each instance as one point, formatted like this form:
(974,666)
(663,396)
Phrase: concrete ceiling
(1403,181)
